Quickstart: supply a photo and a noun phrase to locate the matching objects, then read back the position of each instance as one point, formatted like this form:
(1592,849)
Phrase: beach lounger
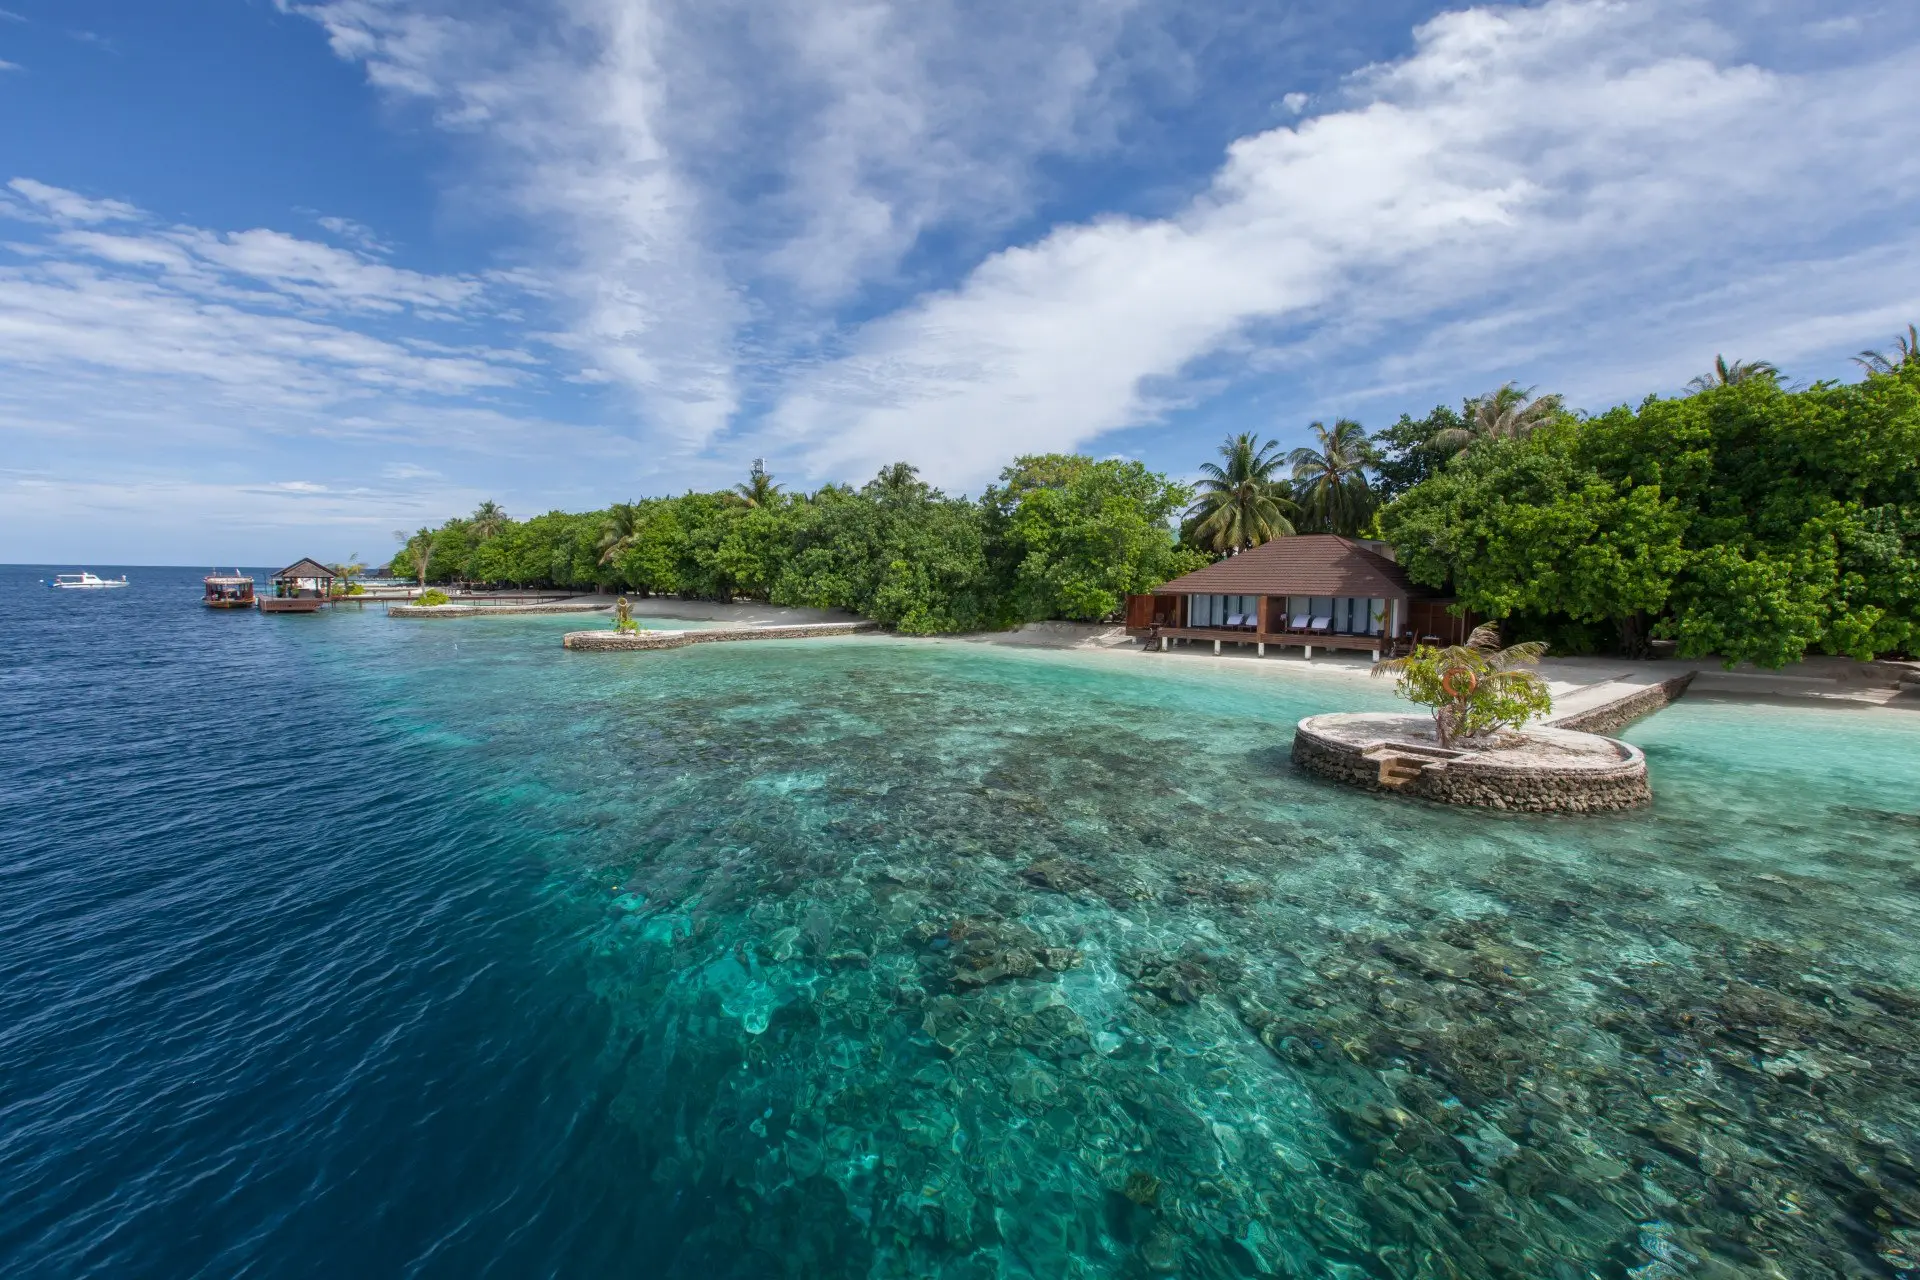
(1299,622)
(1322,624)
(1234,621)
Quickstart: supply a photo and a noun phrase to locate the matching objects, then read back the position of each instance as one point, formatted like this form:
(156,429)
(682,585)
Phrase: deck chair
(1322,623)
(1298,622)
(1233,620)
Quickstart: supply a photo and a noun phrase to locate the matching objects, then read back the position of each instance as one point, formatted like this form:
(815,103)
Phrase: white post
(1163,644)
(1376,655)
(1260,650)
(1216,648)
(1309,649)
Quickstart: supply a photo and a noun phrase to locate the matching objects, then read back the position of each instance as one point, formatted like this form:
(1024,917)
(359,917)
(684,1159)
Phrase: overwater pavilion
(301,587)
(1314,590)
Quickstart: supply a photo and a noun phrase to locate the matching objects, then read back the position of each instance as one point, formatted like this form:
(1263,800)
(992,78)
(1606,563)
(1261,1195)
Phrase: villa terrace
(1313,591)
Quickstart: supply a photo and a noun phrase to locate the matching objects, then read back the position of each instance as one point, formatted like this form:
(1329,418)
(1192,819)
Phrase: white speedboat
(85,582)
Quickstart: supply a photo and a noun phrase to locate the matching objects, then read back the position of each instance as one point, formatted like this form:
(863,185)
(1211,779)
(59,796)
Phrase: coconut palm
(620,530)
(759,490)
(1509,413)
(1906,351)
(420,546)
(1732,375)
(1497,689)
(488,519)
(1244,503)
(1330,482)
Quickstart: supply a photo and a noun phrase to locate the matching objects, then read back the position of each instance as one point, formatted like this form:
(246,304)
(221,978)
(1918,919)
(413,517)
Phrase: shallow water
(461,954)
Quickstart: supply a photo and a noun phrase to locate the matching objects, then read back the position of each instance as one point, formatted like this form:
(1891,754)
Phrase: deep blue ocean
(342,945)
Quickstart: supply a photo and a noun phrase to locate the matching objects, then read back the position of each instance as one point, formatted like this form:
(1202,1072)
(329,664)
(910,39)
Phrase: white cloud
(70,206)
(1519,160)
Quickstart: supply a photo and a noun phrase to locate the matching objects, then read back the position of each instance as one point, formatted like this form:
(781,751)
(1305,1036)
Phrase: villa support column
(1261,609)
(1216,648)
(1309,649)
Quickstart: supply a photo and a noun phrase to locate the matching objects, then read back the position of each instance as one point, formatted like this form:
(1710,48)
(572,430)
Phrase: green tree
(1511,412)
(1474,688)
(1727,375)
(1073,537)
(1906,353)
(487,520)
(1330,482)
(1244,503)
(759,489)
(1404,454)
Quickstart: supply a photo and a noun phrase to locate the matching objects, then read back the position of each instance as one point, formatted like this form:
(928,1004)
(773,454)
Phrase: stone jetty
(609,640)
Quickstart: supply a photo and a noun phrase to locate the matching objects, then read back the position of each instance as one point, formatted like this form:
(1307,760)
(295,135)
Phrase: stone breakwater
(599,641)
(1539,770)
(473,610)
(1618,713)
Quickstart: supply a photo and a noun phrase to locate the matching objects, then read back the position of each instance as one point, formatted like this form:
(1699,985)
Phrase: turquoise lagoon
(942,958)
(933,958)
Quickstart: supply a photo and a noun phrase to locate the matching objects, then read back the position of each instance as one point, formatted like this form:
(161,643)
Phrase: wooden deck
(1308,640)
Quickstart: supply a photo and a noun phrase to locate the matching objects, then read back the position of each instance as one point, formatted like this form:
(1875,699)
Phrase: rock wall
(604,641)
(1536,789)
(473,610)
(1614,716)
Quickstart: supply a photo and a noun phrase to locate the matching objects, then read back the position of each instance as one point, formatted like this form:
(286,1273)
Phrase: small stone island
(1537,769)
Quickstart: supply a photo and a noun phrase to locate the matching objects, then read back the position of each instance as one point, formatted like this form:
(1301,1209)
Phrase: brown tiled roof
(308,568)
(1309,564)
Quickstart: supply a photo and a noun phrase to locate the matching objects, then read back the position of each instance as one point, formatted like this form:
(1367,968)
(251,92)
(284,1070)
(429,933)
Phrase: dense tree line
(1060,536)
(1747,519)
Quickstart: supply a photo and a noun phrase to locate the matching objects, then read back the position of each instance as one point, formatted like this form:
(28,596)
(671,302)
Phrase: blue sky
(277,278)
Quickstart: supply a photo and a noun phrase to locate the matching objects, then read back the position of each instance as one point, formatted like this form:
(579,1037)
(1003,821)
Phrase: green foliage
(1330,482)
(1745,520)
(432,597)
(1492,688)
(1244,503)
(1076,536)
(1061,536)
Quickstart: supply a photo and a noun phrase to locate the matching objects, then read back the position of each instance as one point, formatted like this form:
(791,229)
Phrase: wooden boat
(302,587)
(228,591)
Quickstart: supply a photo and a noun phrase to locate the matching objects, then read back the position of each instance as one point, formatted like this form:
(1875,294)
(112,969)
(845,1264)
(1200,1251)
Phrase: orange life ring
(1448,676)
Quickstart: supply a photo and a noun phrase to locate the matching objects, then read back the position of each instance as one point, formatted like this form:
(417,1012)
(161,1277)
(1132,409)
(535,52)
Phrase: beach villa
(1313,590)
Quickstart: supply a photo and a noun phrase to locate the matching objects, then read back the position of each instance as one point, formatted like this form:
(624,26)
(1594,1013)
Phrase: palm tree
(1510,413)
(1331,481)
(1242,504)
(1490,668)
(488,519)
(759,490)
(620,531)
(349,571)
(1732,375)
(1906,351)
(420,547)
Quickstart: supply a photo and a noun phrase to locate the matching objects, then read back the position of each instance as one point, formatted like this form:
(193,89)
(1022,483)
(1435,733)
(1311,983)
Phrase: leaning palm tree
(488,519)
(620,530)
(759,490)
(1244,503)
(1509,413)
(1330,482)
(1475,687)
(420,546)
(1732,375)
(1906,351)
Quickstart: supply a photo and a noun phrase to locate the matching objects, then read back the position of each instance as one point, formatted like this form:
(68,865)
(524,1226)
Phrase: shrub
(1490,688)
(432,597)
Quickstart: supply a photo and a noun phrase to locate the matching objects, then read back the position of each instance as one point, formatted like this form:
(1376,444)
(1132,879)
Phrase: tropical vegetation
(1745,518)
(1474,688)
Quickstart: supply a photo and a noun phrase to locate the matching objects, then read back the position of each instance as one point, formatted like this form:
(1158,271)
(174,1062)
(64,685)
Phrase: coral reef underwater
(931,961)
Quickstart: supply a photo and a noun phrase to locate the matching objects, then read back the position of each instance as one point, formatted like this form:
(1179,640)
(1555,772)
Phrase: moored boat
(228,591)
(85,582)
